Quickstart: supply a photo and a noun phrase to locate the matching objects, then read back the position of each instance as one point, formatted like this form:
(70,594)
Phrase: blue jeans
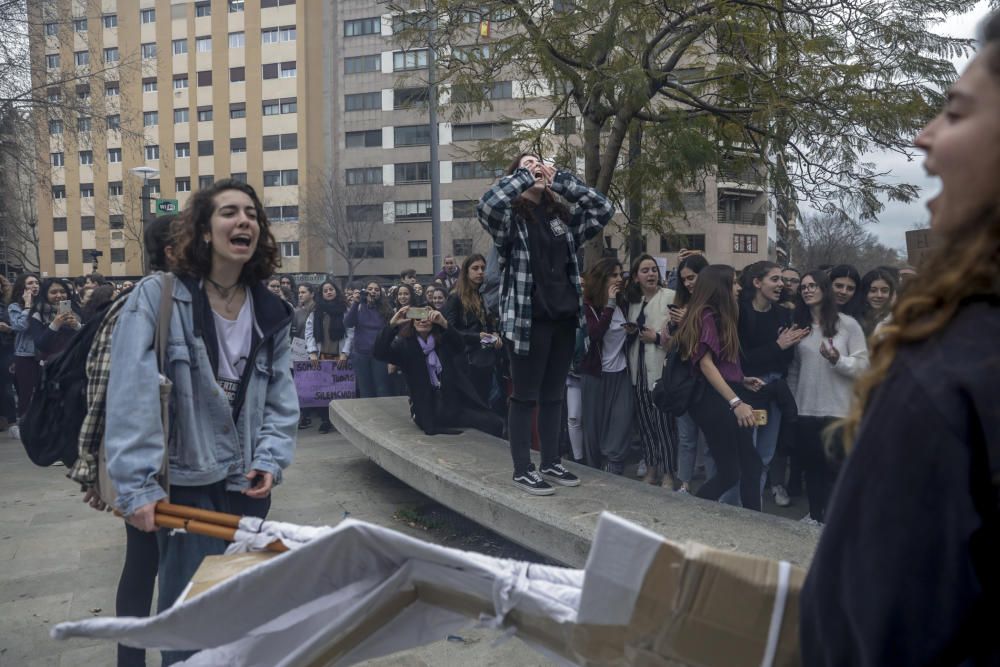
(765,441)
(372,376)
(688,437)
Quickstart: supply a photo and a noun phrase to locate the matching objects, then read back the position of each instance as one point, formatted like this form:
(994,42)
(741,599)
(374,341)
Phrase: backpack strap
(160,338)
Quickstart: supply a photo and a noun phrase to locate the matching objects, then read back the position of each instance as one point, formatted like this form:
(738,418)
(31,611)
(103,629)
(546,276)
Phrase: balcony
(742,217)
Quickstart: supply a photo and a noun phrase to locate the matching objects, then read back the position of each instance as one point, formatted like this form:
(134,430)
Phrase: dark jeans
(8,409)
(461,416)
(820,472)
(182,553)
(135,588)
(732,449)
(539,378)
(25,377)
(371,374)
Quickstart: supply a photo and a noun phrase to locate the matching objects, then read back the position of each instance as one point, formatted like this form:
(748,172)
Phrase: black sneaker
(531,483)
(560,475)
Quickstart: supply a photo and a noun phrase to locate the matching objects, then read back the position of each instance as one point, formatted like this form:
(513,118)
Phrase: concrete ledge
(471,474)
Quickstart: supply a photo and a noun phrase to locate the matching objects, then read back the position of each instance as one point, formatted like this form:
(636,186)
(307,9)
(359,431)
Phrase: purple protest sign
(316,387)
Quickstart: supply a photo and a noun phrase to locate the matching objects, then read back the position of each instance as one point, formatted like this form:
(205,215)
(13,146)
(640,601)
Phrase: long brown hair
(468,292)
(632,289)
(965,265)
(714,293)
(595,286)
(829,314)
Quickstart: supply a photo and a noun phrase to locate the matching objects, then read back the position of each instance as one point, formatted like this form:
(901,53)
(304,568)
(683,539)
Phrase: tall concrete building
(187,91)
(316,105)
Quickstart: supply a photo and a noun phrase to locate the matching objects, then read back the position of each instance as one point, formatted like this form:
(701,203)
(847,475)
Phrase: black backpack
(51,427)
(679,387)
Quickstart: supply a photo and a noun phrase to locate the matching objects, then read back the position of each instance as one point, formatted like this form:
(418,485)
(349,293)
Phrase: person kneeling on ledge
(431,356)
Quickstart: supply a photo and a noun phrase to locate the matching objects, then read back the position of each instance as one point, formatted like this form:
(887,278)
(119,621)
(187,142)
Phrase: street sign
(166,206)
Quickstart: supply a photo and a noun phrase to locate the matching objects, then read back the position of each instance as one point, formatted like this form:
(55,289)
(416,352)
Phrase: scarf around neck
(431,358)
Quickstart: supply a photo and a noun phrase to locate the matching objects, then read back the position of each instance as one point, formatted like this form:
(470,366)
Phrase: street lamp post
(145,200)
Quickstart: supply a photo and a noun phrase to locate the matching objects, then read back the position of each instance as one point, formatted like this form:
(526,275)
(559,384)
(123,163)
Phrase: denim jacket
(20,322)
(209,440)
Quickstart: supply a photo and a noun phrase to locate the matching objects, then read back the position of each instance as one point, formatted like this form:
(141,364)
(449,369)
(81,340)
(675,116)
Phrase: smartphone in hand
(64,308)
(419,313)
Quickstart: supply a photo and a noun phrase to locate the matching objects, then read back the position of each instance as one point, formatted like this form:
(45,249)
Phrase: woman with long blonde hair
(906,570)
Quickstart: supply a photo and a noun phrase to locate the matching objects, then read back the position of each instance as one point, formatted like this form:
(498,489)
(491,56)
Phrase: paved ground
(61,560)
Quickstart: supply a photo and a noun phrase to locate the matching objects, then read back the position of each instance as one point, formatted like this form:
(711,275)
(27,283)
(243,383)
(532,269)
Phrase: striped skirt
(656,428)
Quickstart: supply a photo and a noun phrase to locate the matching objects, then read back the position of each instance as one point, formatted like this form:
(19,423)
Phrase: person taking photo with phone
(54,319)
(537,237)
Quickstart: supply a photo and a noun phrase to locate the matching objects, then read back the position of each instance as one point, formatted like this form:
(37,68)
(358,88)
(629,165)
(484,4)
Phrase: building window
(289,105)
(181,115)
(116,221)
(149,85)
(413,172)
(409,60)
(675,242)
(363,102)
(363,139)
(115,189)
(147,15)
(367,249)
(87,190)
(154,185)
(86,157)
(79,25)
(469,170)
(289,248)
(238,145)
(148,51)
(271,107)
(363,176)
(264,4)
(61,256)
(152,152)
(745,243)
(501,90)
(282,177)
(204,114)
(180,47)
(205,182)
(206,147)
(118,255)
(88,255)
(238,109)
(480,131)
(182,149)
(280,142)
(237,74)
(205,78)
(240,176)
(410,98)
(464,208)
(182,184)
(358,27)
(111,54)
(55,127)
(58,159)
(401,22)
(564,125)
(412,135)
(150,118)
(461,247)
(288,70)
(412,211)
(237,40)
(112,89)
(83,92)
(51,29)
(203,44)
(364,212)
(416,248)
(83,124)
(52,61)
(180,81)
(361,64)
(114,155)
(59,224)
(282,213)
(269,70)
(203,9)
(236,6)
(286,33)
(87,223)
(110,20)
(53,95)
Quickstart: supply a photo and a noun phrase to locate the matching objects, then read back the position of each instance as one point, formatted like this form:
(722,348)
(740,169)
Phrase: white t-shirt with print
(235,337)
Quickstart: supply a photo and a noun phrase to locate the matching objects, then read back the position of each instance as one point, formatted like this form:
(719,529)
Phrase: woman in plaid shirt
(537,237)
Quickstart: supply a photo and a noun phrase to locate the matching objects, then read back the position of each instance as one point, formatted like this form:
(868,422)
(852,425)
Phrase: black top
(912,541)
(758,333)
(553,296)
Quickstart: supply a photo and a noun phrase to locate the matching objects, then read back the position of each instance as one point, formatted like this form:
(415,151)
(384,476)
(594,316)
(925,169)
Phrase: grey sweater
(820,388)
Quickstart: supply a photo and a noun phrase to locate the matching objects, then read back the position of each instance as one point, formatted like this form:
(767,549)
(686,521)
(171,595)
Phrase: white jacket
(657,318)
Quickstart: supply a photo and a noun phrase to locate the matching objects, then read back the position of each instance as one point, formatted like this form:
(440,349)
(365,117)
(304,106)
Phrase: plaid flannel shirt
(590,213)
(98,370)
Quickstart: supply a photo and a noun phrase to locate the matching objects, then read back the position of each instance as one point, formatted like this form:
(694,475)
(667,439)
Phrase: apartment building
(187,91)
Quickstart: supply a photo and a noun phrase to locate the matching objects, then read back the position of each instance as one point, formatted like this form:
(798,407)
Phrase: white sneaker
(641,469)
(809,521)
(15,432)
(781,498)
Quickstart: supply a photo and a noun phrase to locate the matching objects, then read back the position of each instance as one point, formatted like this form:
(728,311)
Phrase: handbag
(679,387)
(105,487)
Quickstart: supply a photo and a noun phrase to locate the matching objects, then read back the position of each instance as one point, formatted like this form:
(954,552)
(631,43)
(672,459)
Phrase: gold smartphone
(760,417)
(418,313)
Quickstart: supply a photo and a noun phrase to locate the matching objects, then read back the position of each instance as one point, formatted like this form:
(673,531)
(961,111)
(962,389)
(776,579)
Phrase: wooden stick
(208,529)
(205,516)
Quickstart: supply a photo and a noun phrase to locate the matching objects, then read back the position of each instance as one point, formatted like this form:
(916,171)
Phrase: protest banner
(318,385)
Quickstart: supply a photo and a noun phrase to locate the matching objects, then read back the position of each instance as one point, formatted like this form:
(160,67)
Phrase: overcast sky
(897,218)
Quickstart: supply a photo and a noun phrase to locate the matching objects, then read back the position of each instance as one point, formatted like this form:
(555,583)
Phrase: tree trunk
(634,201)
